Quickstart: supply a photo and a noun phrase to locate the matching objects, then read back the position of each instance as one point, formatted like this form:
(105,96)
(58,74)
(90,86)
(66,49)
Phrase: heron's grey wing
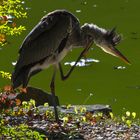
(41,27)
(43,40)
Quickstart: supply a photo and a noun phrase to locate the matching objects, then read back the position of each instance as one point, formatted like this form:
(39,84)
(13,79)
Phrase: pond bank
(77,122)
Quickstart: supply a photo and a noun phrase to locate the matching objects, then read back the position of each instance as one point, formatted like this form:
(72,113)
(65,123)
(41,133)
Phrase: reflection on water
(134,35)
(94,5)
(78,11)
(119,67)
(28,8)
(134,87)
(83,62)
(112,100)
(79,89)
(135,38)
(84,3)
(14,63)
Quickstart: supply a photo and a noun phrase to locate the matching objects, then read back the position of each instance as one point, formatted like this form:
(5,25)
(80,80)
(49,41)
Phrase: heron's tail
(20,77)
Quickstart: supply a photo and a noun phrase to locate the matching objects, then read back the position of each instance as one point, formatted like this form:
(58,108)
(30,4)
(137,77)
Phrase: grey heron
(51,39)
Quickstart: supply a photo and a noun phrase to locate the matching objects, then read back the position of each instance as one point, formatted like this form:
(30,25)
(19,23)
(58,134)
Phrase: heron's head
(106,40)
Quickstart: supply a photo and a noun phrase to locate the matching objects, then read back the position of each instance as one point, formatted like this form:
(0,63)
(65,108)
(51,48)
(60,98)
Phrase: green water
(118,88)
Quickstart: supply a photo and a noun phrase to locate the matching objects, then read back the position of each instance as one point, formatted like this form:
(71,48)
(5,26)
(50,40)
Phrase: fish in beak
(108,42)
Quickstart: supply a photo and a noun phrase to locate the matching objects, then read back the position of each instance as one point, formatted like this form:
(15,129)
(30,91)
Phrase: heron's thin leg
(52,86)
(64,77)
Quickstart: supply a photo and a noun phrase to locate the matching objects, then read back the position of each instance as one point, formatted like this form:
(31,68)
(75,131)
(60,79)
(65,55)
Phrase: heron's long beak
(113,51)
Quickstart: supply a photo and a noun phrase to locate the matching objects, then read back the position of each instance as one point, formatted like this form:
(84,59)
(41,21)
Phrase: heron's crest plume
(101,35)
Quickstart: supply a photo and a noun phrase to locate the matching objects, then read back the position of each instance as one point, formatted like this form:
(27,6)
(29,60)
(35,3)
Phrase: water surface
(108,82)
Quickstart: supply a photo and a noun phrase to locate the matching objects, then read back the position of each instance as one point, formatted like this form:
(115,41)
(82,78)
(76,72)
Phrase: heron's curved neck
(93,30)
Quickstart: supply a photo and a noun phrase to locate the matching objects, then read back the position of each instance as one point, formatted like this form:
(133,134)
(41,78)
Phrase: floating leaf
(128,113)
(133,115)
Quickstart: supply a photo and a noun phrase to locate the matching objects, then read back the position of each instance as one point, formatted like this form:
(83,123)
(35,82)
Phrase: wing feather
(45,38)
